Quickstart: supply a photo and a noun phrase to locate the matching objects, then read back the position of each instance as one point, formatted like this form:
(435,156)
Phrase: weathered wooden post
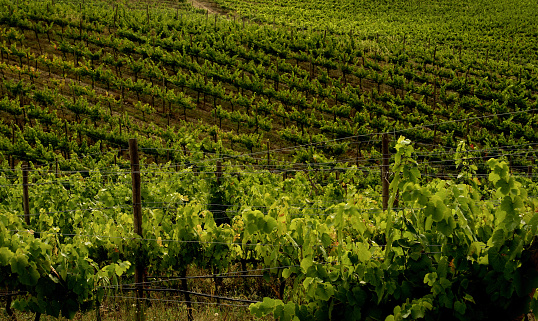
(137,212)
(25,202)
(385,170)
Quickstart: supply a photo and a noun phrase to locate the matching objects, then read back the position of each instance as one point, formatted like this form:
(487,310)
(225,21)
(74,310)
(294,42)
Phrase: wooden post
(25,203)
(137,211)
(147,12)
(359,145)
(268,156)
(185,287)
(467,130)
(385,170)
(67,151)
(218,173)
(12,158)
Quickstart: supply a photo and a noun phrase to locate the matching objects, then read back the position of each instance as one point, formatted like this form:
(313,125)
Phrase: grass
(160,308)
(165,306)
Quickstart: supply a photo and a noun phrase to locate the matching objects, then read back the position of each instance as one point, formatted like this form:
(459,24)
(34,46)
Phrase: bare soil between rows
(211,6)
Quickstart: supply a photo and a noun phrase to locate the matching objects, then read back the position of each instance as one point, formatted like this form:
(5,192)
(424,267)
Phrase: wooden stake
(358,151)
(385,170)
(137,212)
(268,156)
(147,12)
(25,202)
(185,288)
(12,158)
(218,172)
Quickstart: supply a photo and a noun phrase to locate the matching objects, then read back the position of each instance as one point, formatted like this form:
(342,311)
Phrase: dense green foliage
(449,249)
(71,69)
(498,26)
(260,144)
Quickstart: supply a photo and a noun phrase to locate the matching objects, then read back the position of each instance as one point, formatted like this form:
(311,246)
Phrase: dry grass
(159,309)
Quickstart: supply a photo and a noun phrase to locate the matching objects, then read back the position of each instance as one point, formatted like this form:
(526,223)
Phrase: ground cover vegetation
(264,185)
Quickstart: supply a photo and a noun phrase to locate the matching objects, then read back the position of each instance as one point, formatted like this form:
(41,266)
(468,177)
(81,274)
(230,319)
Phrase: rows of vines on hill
(498,29)
(306,106)
(257,83)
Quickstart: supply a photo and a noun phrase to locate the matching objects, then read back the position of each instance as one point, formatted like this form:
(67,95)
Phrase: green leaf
(252,227)
(286,273)
(32,276)
(307,283)
(324,291)
(508,215)
(436,208)
(497,239)
(442,267)
(5,256)
(363,252)
(417,312)
(326,239)
(19,262)
(460,307)
(494,177)
(289,310)
(270,225)
(469,298)
(428,223)
(358,224)
(265,307)
(306,263)
(430,278)
(122,267)
(19,304)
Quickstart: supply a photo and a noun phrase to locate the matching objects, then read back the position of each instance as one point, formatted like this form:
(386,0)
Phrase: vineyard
(287,160)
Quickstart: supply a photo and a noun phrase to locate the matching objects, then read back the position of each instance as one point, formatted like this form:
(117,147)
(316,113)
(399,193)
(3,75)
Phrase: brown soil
(211,6)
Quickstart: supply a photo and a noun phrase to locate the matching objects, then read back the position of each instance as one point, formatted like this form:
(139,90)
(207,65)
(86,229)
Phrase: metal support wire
(205,295)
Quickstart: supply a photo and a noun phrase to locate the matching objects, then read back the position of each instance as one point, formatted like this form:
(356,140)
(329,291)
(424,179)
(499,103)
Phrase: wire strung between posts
(312,167)
(191,293)
(373,134)
(113,173)
(223,275)
(381,133)
(186,241)
(81,210)
(178,301)
(155,239)
(195,277)
(231,211)
(10,294)
(225,156)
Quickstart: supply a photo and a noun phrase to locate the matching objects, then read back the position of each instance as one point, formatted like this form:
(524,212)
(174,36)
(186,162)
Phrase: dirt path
(210,6)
